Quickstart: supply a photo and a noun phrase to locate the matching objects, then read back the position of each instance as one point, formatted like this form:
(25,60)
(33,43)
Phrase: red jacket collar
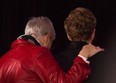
(18,41)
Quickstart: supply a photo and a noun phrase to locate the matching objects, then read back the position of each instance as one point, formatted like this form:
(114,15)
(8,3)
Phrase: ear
(93,34)
(69,37)
(46,38)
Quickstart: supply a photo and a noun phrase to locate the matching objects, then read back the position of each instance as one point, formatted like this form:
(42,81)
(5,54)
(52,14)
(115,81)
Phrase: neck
(89,41)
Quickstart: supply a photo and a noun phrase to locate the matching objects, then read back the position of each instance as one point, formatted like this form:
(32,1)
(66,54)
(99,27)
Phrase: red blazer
(29,63)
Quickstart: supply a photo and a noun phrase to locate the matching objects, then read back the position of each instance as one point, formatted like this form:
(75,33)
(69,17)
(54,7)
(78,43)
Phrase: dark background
(15,13)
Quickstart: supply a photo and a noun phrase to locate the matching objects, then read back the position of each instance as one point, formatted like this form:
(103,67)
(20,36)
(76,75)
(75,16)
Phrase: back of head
(80,24)
(39,26)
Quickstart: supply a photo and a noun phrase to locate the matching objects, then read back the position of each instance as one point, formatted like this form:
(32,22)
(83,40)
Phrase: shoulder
(42,52)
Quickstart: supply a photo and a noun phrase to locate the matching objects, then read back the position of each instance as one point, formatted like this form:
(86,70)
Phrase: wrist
(84,58)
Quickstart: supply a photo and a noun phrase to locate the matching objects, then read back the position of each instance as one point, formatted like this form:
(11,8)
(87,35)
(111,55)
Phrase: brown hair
(80,23)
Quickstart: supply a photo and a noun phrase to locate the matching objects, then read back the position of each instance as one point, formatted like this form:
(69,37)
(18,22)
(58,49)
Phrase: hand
(90,50)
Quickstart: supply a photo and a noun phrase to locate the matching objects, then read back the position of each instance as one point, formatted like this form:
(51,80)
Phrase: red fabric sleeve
(50,72)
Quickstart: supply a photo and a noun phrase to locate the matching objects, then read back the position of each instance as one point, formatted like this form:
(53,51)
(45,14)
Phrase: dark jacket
(28,62)
(65,59)
(102,64)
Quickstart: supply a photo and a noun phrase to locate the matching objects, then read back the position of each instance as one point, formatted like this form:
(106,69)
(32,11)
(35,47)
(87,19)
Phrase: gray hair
(40,26)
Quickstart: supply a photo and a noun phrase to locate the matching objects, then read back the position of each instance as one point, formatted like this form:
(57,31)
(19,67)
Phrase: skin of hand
(90,50)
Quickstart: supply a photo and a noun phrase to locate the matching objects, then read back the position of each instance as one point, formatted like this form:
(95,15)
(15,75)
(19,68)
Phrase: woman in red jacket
(30,61)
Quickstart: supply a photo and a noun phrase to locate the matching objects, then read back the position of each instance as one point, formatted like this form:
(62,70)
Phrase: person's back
(102,64)
(80,27)
(17,65)
(65,58)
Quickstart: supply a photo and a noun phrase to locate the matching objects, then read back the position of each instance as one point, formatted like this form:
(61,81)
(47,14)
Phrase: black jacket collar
(29,38)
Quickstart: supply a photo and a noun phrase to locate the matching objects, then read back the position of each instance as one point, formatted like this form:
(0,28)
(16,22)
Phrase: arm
(50,71)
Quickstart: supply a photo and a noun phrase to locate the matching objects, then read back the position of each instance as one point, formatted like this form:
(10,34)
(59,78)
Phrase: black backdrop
(15,14)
